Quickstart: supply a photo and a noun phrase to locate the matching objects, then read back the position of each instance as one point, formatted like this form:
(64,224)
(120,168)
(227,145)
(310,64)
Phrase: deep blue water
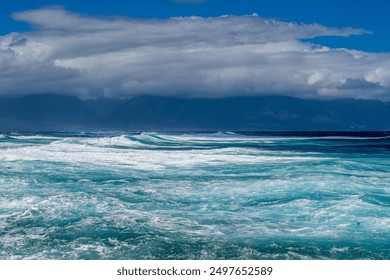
(194,196)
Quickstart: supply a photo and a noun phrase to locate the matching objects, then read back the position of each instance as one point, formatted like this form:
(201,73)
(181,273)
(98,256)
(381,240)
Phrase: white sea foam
(35,137)
(132,196)
(142,159)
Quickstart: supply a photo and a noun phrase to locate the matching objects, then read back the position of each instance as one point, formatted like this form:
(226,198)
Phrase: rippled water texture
(196,196)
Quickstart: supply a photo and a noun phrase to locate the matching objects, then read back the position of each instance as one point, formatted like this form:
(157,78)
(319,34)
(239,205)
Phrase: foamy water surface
(193,196)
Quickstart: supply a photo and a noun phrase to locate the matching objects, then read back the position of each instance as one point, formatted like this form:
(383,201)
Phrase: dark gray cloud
(192,56)
(360,84)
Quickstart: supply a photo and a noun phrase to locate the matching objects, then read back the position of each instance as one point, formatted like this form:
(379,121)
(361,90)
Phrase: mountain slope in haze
(55,112)
(43,112)
(252,113)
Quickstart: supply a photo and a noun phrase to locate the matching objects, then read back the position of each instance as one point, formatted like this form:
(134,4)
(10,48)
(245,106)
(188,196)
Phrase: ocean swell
(194,196)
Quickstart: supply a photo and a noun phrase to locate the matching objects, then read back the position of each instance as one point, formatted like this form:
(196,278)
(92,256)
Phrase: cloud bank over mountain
(120,57)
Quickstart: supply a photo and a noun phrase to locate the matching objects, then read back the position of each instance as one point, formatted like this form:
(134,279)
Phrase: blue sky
(367,14)
(195,48)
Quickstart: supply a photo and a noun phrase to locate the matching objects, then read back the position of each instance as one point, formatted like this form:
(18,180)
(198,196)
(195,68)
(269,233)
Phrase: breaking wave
(194,196)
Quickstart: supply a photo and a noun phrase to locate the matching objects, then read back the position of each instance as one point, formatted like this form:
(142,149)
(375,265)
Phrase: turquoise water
(194,196)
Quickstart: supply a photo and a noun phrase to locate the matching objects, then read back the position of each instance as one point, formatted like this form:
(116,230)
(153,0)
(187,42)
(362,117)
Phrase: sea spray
(194,196)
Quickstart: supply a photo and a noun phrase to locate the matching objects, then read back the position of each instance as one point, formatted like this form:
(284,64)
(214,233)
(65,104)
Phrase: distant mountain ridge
(48,112)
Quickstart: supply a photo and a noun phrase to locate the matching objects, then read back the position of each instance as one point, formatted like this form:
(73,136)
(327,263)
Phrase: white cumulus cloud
(90,57)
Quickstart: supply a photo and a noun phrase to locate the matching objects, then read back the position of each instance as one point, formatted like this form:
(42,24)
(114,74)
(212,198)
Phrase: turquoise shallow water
(194,196)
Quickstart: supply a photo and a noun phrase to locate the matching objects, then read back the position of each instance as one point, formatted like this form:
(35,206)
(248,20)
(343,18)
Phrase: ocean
(194,196)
